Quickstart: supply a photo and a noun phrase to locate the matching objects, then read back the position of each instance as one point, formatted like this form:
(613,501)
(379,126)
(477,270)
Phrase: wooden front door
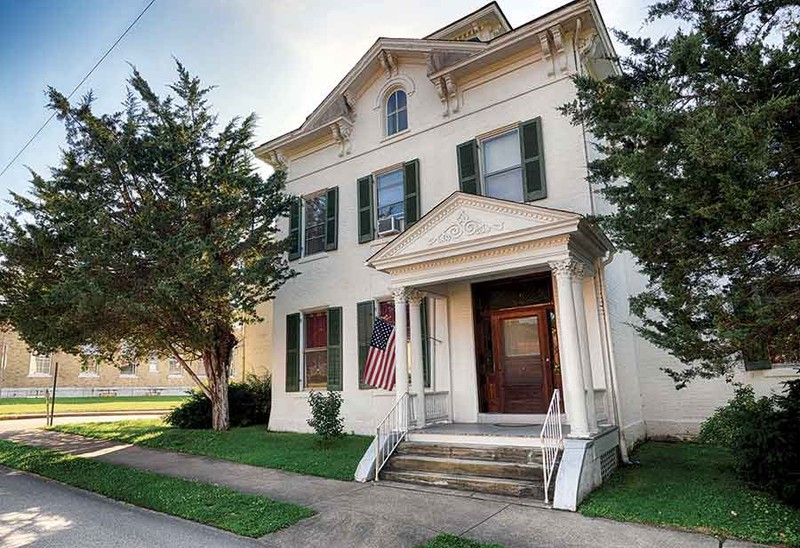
(521,381)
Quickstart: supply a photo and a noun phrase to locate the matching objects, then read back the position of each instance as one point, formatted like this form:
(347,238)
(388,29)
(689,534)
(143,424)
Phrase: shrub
(249,403)
(721,427)
(325,415)
(764,436)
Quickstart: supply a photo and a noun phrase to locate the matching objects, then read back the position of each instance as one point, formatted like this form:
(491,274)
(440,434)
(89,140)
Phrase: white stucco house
(441,188)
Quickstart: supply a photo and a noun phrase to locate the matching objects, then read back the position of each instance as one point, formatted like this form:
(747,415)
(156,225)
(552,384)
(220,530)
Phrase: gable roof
(333,116)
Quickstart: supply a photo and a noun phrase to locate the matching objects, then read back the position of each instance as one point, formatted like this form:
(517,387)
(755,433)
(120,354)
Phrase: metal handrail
(550,441)
(391,431)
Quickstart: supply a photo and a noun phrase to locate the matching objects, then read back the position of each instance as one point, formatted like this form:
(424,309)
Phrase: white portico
(469,239)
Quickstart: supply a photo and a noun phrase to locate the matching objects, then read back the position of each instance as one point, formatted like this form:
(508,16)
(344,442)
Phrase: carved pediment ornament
(464,227)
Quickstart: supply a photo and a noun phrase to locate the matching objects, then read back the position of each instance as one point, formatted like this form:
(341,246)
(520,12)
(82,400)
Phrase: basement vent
(608,462)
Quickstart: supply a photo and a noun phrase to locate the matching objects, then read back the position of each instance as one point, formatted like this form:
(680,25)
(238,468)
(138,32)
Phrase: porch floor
(488,429)
(494,434)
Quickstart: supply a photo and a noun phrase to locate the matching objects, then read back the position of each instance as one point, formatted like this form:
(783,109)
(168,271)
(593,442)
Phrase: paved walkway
(382,515)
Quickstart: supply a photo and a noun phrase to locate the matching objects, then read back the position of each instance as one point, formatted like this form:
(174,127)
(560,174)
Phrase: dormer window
(396,112)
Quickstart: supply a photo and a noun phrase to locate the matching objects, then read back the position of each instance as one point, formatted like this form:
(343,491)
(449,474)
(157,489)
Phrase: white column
(400,349)
(417,371)
(583,342)
(569,345)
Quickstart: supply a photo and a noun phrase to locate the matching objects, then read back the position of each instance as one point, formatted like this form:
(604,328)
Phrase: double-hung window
(313,225)
(175,369)
(40,365)
(502,167)
(314,230)
(389,194)
(396,112)
(508,164)
(316,349)
(388,201)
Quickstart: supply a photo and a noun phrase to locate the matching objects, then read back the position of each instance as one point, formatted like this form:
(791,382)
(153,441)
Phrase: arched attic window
(396,112)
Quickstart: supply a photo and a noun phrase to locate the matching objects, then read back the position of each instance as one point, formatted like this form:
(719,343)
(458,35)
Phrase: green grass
(694,487)
(451,541)
(247,515)
(253,445)
(21,406)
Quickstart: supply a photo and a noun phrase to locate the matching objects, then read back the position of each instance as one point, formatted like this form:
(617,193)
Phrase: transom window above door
(396,112)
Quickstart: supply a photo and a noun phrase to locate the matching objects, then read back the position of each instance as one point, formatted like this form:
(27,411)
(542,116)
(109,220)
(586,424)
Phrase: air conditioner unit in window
(390,225)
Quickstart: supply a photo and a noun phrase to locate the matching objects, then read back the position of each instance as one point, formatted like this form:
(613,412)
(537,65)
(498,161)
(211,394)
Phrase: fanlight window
(396,112)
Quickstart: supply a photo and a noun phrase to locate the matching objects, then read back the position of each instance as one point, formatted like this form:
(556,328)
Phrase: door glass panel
(521,336)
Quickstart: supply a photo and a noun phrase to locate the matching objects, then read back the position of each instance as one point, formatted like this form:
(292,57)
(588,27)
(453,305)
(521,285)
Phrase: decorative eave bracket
(448,94)
(554,54)
(341,130)
(388,62)
(277,160)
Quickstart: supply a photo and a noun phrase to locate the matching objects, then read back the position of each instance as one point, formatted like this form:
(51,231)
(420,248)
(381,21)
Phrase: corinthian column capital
(568,268)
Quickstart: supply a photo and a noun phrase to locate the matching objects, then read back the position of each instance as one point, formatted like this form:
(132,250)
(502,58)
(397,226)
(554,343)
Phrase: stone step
(495,486)
(522,455)
(465,467)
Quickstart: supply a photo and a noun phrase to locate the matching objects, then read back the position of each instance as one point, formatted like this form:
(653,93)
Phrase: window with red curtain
(316,349)
(386,311)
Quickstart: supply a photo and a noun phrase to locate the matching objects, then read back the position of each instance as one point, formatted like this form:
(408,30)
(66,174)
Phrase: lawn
(254,445)
(694,487)
(451,541)
(21,406)
(247,515)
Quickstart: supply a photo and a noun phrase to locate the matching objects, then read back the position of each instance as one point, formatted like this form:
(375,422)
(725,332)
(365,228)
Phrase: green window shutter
(756,356)
(469,171)
(426,343)
(366,214)
(366,318)
(331,219)
(411,192)
(533,177)
(335,348)
(294,229)
(293,353)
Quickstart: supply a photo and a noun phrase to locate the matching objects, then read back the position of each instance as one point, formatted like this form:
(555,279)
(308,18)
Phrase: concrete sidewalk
(383,514)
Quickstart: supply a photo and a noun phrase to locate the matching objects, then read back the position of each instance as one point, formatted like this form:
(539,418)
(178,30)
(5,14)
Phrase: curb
(155,412)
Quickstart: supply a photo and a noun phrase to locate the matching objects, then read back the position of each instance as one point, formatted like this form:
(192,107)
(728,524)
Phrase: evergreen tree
(699,135)
(154,235)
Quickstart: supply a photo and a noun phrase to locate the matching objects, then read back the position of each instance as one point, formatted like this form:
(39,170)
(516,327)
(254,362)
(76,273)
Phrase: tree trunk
(216,361)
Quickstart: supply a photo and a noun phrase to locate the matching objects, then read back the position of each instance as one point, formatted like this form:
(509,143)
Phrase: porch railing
(551,440)
(437,408)
(391,431)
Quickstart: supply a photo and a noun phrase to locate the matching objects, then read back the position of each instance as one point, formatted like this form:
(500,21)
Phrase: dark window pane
(401,99)
(392,106)
(402,120)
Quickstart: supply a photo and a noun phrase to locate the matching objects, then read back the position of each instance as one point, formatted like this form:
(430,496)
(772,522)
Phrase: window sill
(394,136)
(312,258)
(153,371)
(88,376)
(782,371)
(173,376)
(382,241)
(38,375)
(126,376)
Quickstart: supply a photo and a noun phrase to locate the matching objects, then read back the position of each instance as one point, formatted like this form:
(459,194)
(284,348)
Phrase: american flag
(379,369)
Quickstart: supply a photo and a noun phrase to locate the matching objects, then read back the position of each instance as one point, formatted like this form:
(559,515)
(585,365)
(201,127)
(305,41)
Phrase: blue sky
(277,58)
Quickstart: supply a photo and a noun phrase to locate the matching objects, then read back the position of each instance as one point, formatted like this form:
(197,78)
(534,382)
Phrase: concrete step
(522,455)
(465,467)
(496,486)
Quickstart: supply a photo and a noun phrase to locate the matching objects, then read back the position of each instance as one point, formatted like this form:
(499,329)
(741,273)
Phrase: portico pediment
(465,230)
